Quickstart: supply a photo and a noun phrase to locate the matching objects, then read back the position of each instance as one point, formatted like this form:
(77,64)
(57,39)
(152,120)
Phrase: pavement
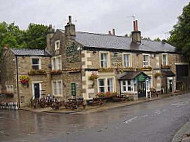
(105,106)
(183,134)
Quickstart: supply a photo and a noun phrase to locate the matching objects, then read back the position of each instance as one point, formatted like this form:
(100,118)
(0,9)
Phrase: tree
(180,35)
(36,36)
(157,39)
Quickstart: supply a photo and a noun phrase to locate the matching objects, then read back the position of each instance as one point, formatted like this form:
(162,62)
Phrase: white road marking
(130,120)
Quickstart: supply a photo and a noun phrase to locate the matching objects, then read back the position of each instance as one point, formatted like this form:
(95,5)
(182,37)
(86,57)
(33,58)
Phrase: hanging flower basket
(24,79)
(93,76)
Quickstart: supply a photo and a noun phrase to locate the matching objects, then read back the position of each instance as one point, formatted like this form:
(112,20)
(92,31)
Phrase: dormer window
(57,44)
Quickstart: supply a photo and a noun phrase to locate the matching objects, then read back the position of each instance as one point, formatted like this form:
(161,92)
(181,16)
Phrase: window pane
(35,64)
(110,84)
(35,61)
(54,88)
(164,59)
(103,60)
(101,82)
(126,60)
(102,89)
(101,85)
(54,64)
(59,87)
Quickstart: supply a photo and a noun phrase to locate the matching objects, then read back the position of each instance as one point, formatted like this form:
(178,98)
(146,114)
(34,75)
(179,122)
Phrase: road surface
(155,121)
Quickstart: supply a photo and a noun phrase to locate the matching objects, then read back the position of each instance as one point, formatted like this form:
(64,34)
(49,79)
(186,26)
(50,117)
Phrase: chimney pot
(70,19)
(136,25)
(113,31)
(109,32)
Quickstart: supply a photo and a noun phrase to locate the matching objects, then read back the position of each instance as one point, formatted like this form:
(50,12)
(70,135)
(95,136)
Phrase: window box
(165,66)
(54,72)
(105,69)
(37,72)
(146,68)
(125,69)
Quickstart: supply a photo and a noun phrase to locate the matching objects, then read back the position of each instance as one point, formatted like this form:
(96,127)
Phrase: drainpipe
(18,93)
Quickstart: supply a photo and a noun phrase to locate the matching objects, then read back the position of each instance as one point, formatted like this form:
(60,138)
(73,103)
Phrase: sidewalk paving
(183,135)
(91,109)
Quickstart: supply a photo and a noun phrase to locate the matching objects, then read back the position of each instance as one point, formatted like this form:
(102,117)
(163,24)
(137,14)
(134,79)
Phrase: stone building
(84,64)
(25,73)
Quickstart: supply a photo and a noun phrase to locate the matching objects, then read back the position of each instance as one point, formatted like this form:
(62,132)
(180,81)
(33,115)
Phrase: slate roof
(129,75)
(120,42)
(30,52)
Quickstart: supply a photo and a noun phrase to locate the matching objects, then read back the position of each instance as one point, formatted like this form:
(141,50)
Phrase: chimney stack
(70,28)
(113,31)
(136,34)
(109,32)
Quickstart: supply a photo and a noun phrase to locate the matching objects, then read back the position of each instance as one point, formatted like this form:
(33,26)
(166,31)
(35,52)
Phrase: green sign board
(73,89)
(141,77)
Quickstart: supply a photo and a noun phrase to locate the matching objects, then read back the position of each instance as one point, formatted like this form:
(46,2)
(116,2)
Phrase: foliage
(12,36)
(24,79)
(180,34)
(105,69)
(93,76)
(107,94)
(157,39)
(56,72)
(36,36)
(37,72)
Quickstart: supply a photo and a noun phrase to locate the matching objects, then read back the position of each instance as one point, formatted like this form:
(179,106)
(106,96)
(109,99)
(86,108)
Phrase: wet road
(155,121)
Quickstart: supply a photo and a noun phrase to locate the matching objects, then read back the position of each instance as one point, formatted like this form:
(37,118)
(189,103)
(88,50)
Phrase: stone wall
(24,68)
(91,60)
(8,72)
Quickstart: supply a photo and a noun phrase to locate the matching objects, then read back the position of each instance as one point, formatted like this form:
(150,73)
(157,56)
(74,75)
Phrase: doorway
(36,90)
(141,89)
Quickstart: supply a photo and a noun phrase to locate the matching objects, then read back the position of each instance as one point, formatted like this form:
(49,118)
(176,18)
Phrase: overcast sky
(156,17)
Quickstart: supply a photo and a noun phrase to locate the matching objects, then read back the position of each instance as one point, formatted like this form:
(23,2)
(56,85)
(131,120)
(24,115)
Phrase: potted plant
(24,79)
(93,76)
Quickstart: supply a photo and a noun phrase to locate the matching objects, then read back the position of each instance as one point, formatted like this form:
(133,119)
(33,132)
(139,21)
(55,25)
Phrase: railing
(9,105)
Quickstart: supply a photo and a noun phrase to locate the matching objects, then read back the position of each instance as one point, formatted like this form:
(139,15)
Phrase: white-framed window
(103,60)
(36,63)
(10,88)
(127,86)
(57,44)
(57,87)
(56,63)
(101,83)
(106,85)
(110,84)
(146,60)
(126,60)
(164,59)
(59,63)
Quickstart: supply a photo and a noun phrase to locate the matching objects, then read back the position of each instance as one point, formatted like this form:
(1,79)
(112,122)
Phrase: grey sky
(156,17)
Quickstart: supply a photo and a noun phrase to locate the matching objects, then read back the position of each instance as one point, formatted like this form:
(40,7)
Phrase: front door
(36,90)
(170,85)
(141,89)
